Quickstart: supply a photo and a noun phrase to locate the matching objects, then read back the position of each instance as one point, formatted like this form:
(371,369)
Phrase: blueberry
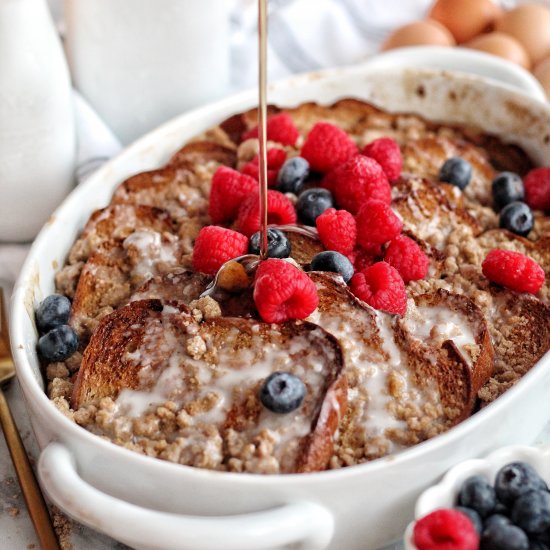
(502,535)
(474,517)
(58,344)
(312,203)
(278,245)
(477,493)
(515,479)
(282,392)
(329,260)
(538,545)
(457,171)
(292,175)
(52,312)
(496,519)
(531,512)
(507,187)
(517,218)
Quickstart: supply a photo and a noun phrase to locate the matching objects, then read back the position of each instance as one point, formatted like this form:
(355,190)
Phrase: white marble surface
(16,531)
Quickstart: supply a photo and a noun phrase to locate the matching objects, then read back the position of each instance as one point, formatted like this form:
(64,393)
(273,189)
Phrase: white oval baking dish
(148,503)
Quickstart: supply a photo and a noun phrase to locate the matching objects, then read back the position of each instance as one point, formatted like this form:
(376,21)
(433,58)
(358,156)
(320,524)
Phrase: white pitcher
(37,130)
(141,62)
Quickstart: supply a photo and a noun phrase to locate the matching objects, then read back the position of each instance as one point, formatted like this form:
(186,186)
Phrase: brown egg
(530,24)
(419,33)
(503,45)
(465,18)
(542,73)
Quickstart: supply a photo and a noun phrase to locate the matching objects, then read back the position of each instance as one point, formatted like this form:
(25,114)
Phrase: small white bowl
(444,494)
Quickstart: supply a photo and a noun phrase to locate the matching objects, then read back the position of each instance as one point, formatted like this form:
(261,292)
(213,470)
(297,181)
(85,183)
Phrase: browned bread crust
(133,349)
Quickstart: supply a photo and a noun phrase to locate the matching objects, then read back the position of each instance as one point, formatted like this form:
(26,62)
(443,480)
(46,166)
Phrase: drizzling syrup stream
(262,123)
(250,261)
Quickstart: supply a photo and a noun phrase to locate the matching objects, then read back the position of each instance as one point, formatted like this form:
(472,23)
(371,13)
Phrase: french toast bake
(170,374)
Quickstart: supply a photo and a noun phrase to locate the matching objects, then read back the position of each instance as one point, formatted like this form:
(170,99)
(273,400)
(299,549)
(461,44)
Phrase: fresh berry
(517,217)
(280,128)
(499,534)
(52,312)
(275,159)
(327,146)
(385,151)
(312,203)
(445,529)
(537,188)
(292,175)
(507,187)
(531,512)
(280,211)
(477,493)
(282,392)
(538,545)
(283,292)
(333,262)
(365,257)
(515,479)
(408,258)
(513,270)
(58,344)
(278,245)
(337,230)
(475,518)
(228,190)
(216,245)
(377,223)
(456,171)
(381,286)
(356,181)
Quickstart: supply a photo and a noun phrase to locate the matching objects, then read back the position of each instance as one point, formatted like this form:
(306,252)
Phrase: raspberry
(445,529)
(386,152)
(381,286)
(408,258)
(327,146)
(280,128)
(275,159)
(376,224)
(537,188)
(513,270)
(364,257)
(228,190)
(280,211)
(337,230)
(216,245)
(356,181)
(283,292)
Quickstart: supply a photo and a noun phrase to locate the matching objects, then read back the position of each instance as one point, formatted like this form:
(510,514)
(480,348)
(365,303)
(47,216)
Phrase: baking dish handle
(306,523)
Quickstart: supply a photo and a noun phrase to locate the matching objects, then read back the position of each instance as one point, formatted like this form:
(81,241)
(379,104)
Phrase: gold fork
(38,510)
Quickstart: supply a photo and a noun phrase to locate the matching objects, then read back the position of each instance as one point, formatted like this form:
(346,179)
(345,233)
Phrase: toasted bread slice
(117,269)
(303,247)
(427,212)
(179,190)
(425,156)
(145,354)
(446,319)
(204,152)
(518,323)
(402,390)
(116,222)
(186,286)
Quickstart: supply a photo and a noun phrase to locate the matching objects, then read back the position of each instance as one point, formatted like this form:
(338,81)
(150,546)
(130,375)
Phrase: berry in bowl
(498,503)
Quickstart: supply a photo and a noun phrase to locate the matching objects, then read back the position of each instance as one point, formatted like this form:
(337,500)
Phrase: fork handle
(36,505)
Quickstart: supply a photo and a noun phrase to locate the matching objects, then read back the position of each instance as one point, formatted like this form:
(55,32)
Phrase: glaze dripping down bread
(170,374)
